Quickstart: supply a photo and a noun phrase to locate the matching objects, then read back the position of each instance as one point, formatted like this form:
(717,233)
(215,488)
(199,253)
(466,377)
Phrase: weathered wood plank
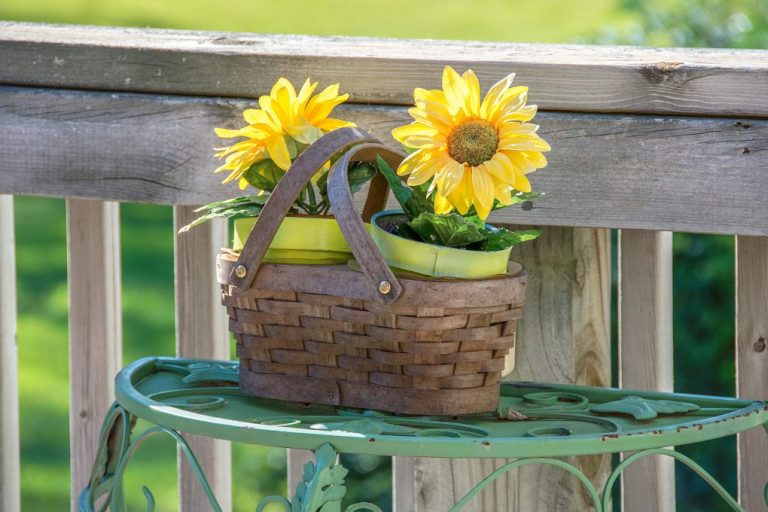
(563,337)
(403,484)
(10,492)
(638,172)
(296,461)
(645,352)
(561,77)
(95,329)
(752,362)
(201,332)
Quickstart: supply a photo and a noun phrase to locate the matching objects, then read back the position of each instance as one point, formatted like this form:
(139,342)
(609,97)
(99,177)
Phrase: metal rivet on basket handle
(290,186)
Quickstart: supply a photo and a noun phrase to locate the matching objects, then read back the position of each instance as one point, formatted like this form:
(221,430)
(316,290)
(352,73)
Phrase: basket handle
(288,189)
(366,252)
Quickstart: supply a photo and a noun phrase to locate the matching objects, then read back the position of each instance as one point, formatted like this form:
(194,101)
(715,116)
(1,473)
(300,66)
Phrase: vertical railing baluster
(201,332)
(645,352)
(10,495)
(752,361)
(296,461)
(403,485)
(95,328)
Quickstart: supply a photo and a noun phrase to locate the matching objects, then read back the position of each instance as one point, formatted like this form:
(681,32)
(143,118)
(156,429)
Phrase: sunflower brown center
(473,142)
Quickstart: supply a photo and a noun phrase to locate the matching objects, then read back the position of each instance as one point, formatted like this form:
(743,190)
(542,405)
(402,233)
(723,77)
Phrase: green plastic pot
(436,260)
(301,239)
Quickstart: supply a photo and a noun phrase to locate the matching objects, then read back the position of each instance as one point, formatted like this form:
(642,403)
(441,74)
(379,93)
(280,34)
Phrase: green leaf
(322,185)
(228,203)
(501,238)
(450,230)
(517,198)
(414,201)
(243,210)
(360,174)
(264,175)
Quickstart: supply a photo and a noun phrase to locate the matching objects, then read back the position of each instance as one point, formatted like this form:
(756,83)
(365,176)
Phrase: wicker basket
(362,337)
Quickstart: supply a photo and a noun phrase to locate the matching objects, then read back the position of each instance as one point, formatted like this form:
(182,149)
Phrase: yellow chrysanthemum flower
(283,121)
(473,151)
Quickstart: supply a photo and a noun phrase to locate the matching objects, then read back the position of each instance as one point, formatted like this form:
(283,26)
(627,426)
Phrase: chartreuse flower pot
(301,239)
(435,260)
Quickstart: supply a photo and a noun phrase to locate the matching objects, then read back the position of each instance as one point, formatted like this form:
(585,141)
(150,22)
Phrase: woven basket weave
(364,337)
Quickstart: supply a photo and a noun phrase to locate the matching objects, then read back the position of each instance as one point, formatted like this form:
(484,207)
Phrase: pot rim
(376,216)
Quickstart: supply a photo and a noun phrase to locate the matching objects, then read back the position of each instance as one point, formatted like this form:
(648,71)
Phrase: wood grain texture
(10,490)
(201,332)
(752,362)
(95,328)
(403,484)
(562,337)
(561,77)
(640,172)
(645,352)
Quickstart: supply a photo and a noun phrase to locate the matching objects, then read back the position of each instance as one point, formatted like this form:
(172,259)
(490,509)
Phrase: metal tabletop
(533,419)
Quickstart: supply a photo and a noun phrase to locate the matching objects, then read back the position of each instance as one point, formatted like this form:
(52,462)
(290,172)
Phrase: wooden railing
(646,140)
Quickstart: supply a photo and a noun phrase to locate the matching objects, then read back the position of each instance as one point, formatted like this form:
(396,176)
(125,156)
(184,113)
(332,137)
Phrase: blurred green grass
(503,20)
(704,302)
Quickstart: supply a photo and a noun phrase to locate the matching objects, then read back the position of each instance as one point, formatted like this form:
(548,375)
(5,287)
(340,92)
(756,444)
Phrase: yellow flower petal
(425,141)
(278,152)
(503,194)
(472,99)
(484,189)
(525,113)
(449,176)
(410,162)
(305,93)
(442,205)
(538,160)
(501,168)
(522,184)
(491,98)
(402,132)
(511,129)
(424,171)
(461,197)
(455,90)
(437,116)
(329,124)
(524,143)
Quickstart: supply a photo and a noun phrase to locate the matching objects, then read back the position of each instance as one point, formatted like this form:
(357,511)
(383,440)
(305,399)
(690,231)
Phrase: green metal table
(534,424)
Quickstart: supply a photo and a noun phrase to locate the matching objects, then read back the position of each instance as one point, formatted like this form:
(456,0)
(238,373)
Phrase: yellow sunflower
(284,123)
(473,151)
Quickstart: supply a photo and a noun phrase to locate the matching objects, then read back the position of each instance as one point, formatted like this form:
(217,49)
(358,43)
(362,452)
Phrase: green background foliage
(703,265)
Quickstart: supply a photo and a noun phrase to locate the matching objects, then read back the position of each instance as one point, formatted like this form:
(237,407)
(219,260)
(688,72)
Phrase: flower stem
(312,198)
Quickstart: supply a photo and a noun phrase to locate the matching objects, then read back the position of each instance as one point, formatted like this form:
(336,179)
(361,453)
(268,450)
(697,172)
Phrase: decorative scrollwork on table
(321,489)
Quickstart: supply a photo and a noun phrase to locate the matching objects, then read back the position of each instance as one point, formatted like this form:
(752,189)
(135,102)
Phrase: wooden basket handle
(363,247)
(288,189)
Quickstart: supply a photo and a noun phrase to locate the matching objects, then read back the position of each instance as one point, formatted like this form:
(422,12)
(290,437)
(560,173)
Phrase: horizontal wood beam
(617,171)
(561,77)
